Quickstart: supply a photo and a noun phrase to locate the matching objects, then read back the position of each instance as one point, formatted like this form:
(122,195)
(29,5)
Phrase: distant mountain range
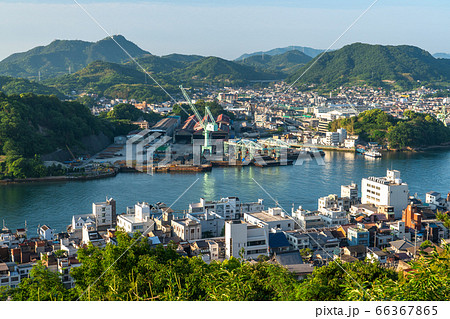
(287,62)
(401,67)
(442,55)
(103,68)
(61,55)
(306,50)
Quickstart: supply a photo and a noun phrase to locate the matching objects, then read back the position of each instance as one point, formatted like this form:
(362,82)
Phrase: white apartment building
(273,218)
(211,223)
(351,192)
(46,233)
(333,201)
(9,275)
(139,221)
(187,229)
(228,208)
(333,216)
(388,191)
(104,214)
(342,135)
(252,240)
(331,138)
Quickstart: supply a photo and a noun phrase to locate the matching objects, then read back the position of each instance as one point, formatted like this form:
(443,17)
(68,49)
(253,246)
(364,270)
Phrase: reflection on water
(55,203)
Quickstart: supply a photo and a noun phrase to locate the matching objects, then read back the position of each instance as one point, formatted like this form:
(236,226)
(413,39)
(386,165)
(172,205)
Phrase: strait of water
(55,203)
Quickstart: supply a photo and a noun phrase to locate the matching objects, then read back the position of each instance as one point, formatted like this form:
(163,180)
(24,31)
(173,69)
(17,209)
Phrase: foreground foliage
(145,273)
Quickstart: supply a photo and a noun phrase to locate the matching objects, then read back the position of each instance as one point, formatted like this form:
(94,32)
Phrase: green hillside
(9,85)
(60,55)
(219,70)
(375,65)
(128,81)
(287,62)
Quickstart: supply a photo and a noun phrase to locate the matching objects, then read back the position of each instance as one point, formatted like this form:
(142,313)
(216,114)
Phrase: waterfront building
(435,200)
(389,191)
(46,232)
(273,218)
(332,138)
(187,229)
(251,240)
(137,221)
(228,208)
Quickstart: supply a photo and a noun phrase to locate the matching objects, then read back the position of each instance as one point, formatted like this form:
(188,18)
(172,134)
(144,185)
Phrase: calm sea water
(55,203)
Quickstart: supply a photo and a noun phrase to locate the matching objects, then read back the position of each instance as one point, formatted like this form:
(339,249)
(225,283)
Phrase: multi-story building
(228,208)
(105,214)
(435,200)
(187,229)
(139,221)
(307,219)
(46,232)
(350,192)
(212,224)
(273,218)
(251,240)
(333,216)
(389,191)
(334,201)
(9,275)
(358,236)
(331,138)
(412,217)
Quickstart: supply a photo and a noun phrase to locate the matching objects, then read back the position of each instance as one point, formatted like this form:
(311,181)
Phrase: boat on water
(373,153)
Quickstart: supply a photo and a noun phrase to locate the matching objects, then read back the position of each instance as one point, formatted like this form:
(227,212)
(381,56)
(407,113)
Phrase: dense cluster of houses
(385,224)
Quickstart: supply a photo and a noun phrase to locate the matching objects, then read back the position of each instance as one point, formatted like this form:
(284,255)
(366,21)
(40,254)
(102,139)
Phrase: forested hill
(415,131)
(10,85)
(287,62)
(60,55)
(31,124)
(401,67)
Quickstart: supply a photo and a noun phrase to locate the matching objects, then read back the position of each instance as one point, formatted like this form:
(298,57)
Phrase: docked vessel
(372,153)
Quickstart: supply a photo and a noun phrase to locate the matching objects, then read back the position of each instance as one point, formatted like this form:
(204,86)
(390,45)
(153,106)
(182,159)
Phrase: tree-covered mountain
(31,124)
(287,62)
(128,81)
(10,85)
(220,70)
(401,67)
(306,50)
(60,55)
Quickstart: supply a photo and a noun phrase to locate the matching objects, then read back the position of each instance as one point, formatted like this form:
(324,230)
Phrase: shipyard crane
(207,123)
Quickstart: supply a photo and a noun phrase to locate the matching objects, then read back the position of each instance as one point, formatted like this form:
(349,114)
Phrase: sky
(226,28)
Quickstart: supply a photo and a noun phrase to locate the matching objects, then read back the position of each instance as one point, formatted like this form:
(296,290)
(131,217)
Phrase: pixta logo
(143,148)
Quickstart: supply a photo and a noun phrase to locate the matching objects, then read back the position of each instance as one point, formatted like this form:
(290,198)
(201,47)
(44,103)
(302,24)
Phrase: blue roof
(277,240)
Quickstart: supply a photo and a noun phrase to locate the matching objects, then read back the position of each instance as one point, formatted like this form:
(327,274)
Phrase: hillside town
(385,225)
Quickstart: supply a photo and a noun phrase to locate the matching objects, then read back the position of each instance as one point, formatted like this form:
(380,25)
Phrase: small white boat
(373,153)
